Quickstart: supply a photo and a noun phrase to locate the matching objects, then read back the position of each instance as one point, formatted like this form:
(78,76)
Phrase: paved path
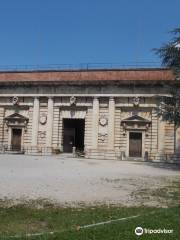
(78,180)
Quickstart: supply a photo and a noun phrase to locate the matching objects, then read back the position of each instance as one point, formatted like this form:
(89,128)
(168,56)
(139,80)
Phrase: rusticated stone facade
(107,114)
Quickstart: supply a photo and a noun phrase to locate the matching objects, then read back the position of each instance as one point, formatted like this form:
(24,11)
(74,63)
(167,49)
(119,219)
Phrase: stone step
(66,155)
(101,154)
(13,152)
(138,159)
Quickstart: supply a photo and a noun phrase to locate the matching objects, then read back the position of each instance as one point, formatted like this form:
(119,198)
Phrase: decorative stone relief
(103,130)
(103,121)
(42,134)
(72,100)
(15,100)
(102,136)
(43,118)
(136,101)
(73,114)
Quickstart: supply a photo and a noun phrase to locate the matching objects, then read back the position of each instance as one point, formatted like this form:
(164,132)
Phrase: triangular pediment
(136,118)
(16,116)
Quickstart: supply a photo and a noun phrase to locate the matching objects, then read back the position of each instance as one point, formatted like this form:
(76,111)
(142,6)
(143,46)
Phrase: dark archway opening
(73,134)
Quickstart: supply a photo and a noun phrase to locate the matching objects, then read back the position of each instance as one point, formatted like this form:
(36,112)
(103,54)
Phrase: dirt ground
(73,181)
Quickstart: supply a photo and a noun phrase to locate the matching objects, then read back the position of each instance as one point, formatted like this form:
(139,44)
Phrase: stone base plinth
(106,154)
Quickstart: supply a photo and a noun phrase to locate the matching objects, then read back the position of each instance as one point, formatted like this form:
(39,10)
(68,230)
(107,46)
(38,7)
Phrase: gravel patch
(72,181)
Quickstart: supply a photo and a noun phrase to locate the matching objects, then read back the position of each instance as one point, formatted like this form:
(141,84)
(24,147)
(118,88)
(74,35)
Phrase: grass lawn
(20,220)
(44,217)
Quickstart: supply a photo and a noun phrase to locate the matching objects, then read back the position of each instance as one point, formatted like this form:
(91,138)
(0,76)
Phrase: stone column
(35,122)
(95,123)
(161,135)
(49,129)
(111,123)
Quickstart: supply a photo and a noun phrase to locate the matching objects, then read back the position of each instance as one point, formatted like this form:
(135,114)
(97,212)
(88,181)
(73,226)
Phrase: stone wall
(98,112)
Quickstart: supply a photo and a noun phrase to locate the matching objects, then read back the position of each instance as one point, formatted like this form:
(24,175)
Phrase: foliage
(170,52)
(169,108)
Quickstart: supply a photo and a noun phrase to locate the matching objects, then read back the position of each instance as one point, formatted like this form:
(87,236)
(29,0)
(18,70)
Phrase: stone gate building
(107,114)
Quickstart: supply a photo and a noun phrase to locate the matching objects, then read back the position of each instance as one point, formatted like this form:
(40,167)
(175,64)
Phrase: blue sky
(42,32)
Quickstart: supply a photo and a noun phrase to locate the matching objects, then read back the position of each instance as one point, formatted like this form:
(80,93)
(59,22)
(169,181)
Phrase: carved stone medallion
(43,119)
(103,121)
(136,101)
(72,100)
(42,134)
(15,100)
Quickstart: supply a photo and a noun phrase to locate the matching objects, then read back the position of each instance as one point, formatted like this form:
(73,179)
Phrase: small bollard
(146,157)
(74,151)
(123,155)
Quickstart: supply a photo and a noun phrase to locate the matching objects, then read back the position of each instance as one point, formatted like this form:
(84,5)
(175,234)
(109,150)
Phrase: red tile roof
(88,75)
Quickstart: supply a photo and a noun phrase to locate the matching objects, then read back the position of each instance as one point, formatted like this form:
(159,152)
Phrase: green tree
(169,110)
(169,106)
(170,52)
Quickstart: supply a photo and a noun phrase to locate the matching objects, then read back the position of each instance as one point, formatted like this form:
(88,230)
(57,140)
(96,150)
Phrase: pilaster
(95,123)
(35,122)
(49,129)
(111,123)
